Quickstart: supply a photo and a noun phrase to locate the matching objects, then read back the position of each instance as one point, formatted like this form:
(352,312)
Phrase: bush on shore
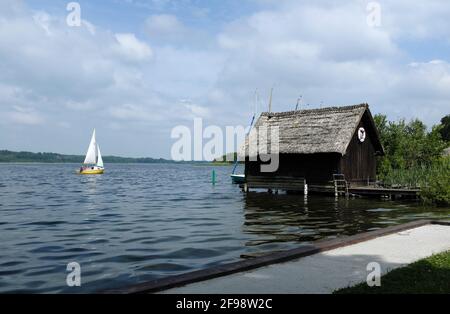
(437,191)
(414,158)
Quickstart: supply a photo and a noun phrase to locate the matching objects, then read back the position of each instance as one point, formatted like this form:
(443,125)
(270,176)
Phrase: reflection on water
(278,222)
(141,222)
(292,218)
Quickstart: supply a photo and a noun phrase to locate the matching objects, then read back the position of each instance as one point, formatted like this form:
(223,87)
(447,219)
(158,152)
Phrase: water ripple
(142,222)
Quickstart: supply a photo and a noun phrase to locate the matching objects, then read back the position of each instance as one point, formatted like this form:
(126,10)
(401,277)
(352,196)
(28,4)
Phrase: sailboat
(93,163)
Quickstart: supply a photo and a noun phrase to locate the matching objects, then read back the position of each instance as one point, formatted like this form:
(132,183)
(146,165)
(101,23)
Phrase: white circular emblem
(361,135)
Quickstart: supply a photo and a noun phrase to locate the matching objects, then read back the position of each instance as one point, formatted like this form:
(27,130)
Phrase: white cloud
(131,112)
(327,53)
(90,76)
(80,106)
(133,48)
(43,20)
(25,116)
(55,77)
(164,25)
(89,26)
(168,29)
(196,110)
(64,124)
(418,20)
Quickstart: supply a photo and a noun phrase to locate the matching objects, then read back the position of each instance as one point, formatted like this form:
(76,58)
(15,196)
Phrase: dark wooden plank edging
(274,258)
(440,222)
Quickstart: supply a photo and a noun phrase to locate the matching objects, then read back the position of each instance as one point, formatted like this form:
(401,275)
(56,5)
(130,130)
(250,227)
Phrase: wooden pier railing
(275,183)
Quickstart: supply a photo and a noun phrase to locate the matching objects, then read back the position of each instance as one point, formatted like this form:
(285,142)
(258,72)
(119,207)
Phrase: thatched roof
(326,130)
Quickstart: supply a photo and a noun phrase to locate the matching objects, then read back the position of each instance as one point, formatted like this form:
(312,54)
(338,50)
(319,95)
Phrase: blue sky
(135,69)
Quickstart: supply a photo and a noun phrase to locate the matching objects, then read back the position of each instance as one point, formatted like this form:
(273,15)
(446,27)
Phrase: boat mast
(270,100)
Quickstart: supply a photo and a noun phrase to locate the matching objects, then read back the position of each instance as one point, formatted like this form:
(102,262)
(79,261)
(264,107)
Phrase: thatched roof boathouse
(316,146)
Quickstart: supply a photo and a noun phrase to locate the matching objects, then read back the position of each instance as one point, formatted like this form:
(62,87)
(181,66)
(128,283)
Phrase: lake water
(140,222)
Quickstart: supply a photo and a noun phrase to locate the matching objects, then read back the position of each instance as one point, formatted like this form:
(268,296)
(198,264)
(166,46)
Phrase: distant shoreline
(10,157)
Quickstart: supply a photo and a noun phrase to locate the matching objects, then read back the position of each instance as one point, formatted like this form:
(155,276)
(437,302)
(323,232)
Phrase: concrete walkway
(330,270)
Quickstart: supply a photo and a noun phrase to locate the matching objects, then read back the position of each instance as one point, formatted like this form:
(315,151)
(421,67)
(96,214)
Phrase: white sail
(91,156)
(100,159)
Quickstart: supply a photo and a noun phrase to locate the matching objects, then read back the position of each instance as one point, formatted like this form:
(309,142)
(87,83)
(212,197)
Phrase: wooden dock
(378,191)
(337,187)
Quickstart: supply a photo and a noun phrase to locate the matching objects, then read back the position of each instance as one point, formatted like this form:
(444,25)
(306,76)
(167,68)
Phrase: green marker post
(213,179)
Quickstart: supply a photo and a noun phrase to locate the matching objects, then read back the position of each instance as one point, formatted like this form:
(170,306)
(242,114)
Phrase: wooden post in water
(213,177)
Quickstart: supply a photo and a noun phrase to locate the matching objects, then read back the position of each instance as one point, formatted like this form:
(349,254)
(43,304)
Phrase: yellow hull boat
(93,164)
(92,171)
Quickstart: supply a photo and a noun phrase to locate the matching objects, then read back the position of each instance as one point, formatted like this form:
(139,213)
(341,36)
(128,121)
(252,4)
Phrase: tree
(407,145)
(445,130)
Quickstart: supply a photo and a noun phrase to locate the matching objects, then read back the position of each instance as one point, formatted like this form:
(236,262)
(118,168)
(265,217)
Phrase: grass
(427,276)
(433,181)
(416,177)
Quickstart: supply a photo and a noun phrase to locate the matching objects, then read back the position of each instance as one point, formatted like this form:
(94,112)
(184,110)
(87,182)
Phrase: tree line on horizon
(10,156)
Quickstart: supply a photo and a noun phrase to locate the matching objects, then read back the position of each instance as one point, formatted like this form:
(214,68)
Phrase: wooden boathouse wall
(359,164)
(315,168)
